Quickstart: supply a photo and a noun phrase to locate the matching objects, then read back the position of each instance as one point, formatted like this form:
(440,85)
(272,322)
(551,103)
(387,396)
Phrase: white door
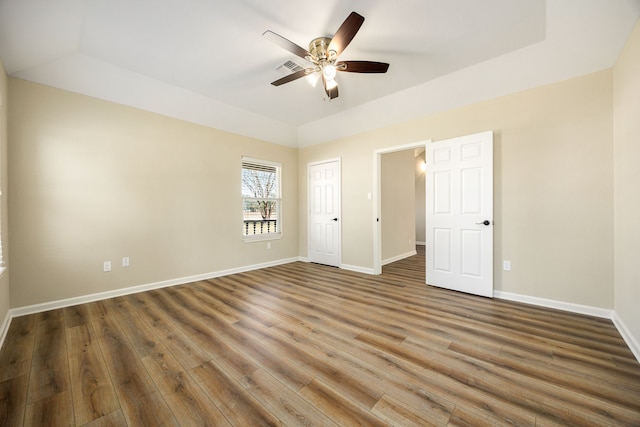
(324,213)
(459,246)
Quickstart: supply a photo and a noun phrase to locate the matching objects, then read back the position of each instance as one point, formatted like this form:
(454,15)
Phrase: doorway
(377,194)
(458,214)
(325,229)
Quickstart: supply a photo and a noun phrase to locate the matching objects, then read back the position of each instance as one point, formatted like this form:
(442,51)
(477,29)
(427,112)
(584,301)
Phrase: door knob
(485,222)
(334,219)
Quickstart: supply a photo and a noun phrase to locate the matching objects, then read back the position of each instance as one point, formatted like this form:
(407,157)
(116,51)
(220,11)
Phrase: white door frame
(377,197)
(309,166)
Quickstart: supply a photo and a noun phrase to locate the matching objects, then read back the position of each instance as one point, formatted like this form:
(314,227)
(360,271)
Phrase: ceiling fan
(323,54)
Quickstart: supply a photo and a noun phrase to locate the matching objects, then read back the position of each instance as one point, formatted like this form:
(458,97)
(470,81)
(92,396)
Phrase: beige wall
(627,185)
(398,211)
(5,300)
(94,181)
(553,186)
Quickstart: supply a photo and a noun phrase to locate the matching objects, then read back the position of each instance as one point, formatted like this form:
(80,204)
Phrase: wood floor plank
(181,346)
(306,344)
(76,315)
(235,402)
(399,378)
(445,383)
(464,416)
(234,361)
(49,367)
(184,397)
(342,372)
(272,354)
(397,414)
(114,419)
(13,400)
(51,411)
(285,404)
(17,352)
(141,336)
(93,393)
(337,407)
(140,401)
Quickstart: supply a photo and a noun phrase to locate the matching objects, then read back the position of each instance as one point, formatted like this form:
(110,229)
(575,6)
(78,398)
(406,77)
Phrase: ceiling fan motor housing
(319,49)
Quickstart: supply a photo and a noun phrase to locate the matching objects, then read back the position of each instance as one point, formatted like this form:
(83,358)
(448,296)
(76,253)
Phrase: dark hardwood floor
(304,344)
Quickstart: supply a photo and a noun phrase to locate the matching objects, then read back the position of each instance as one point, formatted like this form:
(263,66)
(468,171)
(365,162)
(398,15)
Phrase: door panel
(459,200)
(324,213)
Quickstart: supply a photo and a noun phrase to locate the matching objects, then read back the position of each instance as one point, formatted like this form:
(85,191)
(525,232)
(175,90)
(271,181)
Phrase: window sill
(262,237)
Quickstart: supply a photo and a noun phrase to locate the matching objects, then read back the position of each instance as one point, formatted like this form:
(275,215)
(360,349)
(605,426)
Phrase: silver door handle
(485,222)
(334,219)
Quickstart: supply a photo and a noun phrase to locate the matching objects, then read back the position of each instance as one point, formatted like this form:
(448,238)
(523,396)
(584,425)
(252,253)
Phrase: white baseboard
(560,305)
(37,308)
(398,257)
(421,243)
(4,328)
(357,268)
(631,341)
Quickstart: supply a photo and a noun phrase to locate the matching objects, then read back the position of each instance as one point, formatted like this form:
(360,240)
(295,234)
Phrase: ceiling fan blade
(362,66)
(331,92)
(291,77)
(286,44)
(346,32)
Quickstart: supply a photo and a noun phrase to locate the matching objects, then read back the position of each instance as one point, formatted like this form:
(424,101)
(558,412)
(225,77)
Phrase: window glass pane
(260,198)
(260,217)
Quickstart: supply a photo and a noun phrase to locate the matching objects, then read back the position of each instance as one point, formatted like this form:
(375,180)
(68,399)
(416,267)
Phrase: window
(261,200)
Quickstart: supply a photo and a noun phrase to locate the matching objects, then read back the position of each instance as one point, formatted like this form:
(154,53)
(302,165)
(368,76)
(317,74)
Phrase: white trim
(4,328)
(348,267)
(320,162)
(262,237)
(398,257)
(247,159)
(560,305)
(37,308)
(357,269)
(421,243)
(627,336)
(309,166)
(377,196)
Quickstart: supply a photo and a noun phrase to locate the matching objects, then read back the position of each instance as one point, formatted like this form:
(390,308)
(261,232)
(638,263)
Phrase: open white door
(459,213)
(324,213)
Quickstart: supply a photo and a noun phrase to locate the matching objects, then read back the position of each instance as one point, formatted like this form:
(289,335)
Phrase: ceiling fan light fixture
(329,71)
(331,84)
(313,78)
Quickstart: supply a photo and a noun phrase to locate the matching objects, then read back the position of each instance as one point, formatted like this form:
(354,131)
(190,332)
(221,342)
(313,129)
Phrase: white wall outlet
(106,266)
(125,261)
(506,265)
(268,245)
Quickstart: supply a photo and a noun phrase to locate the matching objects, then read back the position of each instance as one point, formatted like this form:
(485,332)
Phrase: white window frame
(263,236)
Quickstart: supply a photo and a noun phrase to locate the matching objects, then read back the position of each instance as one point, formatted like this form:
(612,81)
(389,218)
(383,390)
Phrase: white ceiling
(206,61)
